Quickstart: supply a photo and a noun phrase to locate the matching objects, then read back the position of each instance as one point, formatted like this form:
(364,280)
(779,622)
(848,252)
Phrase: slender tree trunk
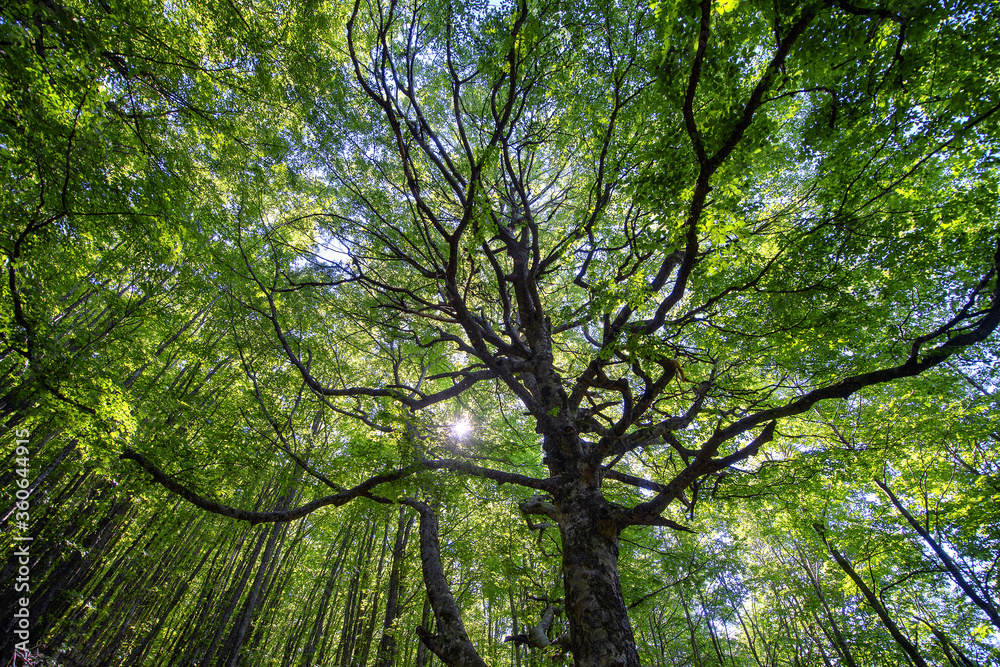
(819,646)
(875,603)
(513,615)
(838,638)
(387,646)
(716,644)
(239,632)
(749,631)
(329,584)
(949,563)
(692,632)
(197,616)
(235,593)
(426,620)
(138,654)
(352,606)
(956,657)
(366,642)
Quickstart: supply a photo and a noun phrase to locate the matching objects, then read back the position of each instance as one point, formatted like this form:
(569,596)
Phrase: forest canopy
(668,329)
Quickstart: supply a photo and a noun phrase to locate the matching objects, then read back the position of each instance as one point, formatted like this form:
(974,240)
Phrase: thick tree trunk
(600,632)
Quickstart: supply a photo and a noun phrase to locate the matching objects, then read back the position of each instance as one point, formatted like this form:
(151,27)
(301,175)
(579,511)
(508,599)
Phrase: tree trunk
(956,657)
(234,594)
(239,632)
(600,632)
(908,647)
(426,620)
(387,646)
(692,630)
(956,574)
(712,634)
(837,638)
(331,581)
(450,642)
(513,615)
(361,659)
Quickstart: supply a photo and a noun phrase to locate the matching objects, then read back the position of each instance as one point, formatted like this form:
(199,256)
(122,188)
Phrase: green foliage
(235,242)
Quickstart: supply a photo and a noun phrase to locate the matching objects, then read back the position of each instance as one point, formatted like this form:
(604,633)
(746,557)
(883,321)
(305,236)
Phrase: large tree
(631,245)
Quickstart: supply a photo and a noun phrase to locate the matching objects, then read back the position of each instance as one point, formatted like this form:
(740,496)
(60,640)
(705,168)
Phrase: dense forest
(376,333)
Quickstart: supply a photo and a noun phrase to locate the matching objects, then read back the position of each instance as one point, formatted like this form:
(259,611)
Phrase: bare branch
(363,490)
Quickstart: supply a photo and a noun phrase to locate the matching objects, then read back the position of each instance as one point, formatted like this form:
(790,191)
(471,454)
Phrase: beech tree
(630,248)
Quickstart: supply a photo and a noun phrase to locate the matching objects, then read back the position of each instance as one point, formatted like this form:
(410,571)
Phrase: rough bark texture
(600,632)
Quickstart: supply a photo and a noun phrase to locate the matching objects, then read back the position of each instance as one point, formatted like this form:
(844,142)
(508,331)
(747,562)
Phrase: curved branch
(451,643)
(361,490)
(960,335)
(704,32)
(914,365)
(550,484)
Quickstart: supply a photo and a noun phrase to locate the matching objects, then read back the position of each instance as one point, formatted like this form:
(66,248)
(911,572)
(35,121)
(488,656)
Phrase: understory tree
(607,256)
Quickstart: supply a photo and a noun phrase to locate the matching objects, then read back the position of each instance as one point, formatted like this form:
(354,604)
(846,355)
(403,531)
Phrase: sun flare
(461,428)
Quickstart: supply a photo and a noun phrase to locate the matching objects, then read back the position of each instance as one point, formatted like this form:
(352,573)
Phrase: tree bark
(956,657)
(423,653)
(366,642)
(387,646)
(600,632)
(537,635)
(692,631)
(239,632)
(513,616)
(338,556)
(235,593)
(837,638)
(451,642)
